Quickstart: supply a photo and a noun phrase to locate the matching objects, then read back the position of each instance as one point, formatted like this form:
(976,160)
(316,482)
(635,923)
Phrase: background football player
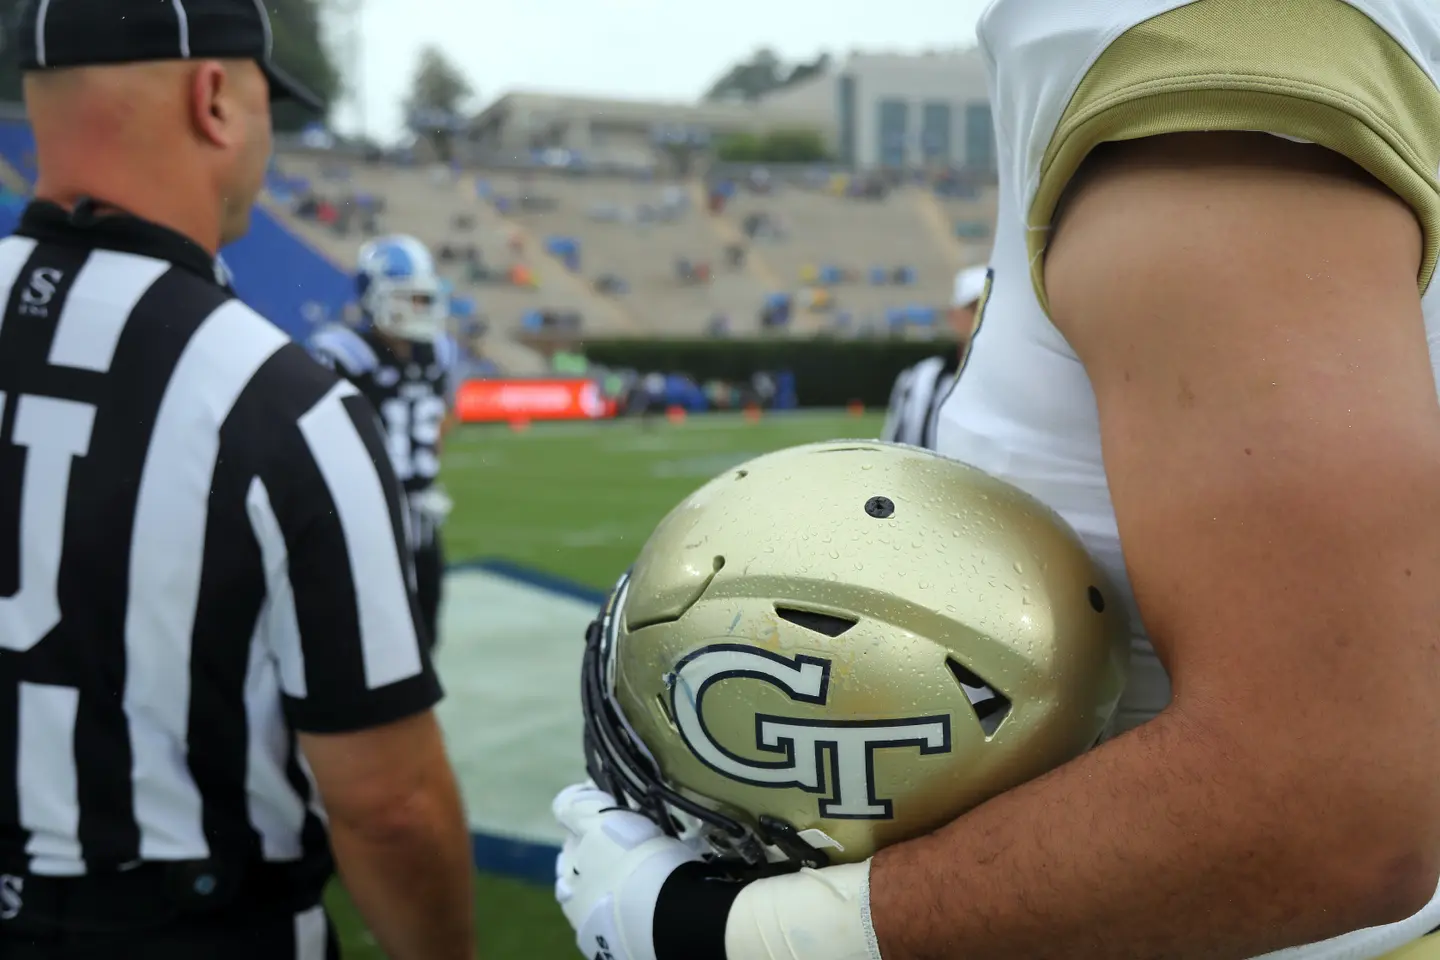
(1216,347)
(402,360)
(919,390)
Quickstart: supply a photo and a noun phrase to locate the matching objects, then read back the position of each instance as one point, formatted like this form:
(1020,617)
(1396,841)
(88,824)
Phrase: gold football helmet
(843,645)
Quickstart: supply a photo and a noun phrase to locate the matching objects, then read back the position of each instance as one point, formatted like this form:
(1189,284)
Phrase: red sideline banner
(490,401)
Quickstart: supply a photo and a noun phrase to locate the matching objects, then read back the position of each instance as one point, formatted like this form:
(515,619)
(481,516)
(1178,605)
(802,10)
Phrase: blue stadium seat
(17,148)
(284,279)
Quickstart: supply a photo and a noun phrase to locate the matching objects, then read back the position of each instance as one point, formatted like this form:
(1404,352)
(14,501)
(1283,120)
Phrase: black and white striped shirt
(915,400)
(199,556)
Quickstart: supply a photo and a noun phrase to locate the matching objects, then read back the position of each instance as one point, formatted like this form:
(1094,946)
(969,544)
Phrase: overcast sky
(654,49)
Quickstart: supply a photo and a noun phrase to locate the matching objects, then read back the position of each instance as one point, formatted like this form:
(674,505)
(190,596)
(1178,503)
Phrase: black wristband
(693,908)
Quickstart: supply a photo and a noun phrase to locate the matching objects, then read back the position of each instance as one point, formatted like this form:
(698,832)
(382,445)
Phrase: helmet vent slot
(826,623)
(990,705)
(663,705)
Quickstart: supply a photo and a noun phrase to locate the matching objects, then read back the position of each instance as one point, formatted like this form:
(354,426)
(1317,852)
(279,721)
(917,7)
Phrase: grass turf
(578,500)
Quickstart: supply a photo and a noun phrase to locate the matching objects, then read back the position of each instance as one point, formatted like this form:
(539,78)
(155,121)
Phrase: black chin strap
(619,766)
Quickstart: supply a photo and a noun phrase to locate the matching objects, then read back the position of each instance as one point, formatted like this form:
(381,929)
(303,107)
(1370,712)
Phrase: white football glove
(610,871)
(434,503)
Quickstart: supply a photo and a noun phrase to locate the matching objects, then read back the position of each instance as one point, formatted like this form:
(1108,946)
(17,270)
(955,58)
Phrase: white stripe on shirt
(167,551)
(388,644)
(90,324)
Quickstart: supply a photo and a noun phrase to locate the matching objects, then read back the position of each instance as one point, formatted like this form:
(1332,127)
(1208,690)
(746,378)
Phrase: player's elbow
(398,819)
(1403,887)
(1372,885)
(1361,829)
(1405,870)
(1385,823)
(1332,812)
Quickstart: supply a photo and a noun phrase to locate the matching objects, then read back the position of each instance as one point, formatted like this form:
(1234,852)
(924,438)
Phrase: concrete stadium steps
(503,306)
(822,230)
(983,209)
(911,227)
(417,205)
(513,358)
(644,254)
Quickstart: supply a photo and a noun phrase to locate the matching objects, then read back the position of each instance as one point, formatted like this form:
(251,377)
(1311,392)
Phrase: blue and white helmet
(400,290)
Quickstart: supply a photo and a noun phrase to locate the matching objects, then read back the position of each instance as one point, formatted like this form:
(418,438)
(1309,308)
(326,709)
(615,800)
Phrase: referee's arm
(357,684)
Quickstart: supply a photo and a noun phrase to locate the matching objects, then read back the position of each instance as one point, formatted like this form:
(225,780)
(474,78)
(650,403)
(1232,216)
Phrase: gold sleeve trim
(1426,948)
(1317,70)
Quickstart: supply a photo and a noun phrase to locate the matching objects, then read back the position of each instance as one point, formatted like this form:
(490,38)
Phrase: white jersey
(1357,76)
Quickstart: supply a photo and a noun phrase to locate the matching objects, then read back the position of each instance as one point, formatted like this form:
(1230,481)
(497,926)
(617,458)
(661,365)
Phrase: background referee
(920,391)
(207,641)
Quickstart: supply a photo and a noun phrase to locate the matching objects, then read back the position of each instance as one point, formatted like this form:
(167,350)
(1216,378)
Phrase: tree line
(440,93)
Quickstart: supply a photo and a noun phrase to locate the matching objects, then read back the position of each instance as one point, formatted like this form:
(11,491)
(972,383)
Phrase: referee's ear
(216,112)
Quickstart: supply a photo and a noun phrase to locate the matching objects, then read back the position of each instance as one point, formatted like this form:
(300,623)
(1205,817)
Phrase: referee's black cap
(85,33)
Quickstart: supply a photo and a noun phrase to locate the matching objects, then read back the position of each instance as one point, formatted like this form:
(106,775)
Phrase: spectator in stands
(776,313)
(475,269)
(611,284)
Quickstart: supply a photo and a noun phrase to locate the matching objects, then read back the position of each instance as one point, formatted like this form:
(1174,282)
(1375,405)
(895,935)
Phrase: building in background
(624,133)
(875,111)
(903,111)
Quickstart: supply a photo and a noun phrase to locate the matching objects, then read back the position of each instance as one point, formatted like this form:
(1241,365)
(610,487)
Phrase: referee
(210,668)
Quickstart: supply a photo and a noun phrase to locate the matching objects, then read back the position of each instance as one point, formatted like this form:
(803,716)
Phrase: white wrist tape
(810,915)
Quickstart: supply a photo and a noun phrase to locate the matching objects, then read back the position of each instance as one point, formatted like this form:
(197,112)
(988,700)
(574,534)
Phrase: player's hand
(609,873)
(434,503)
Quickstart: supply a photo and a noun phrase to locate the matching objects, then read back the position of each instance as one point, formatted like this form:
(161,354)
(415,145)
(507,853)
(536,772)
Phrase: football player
(919,390)
(1213,309)
(402,360)
(775,713)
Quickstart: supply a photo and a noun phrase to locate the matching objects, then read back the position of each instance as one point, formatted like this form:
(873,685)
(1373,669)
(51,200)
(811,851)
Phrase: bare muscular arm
(1247,311)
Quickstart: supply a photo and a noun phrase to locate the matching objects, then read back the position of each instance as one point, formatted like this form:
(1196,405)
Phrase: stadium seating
(649,258)
(537,242)
(416,204)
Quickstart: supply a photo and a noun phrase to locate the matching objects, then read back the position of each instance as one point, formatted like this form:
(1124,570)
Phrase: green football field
(578,500)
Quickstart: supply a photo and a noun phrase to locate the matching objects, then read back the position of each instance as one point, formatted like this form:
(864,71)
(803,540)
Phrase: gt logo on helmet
(804,744)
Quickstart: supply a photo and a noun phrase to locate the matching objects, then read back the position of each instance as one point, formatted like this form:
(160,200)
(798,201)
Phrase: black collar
(51,223)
